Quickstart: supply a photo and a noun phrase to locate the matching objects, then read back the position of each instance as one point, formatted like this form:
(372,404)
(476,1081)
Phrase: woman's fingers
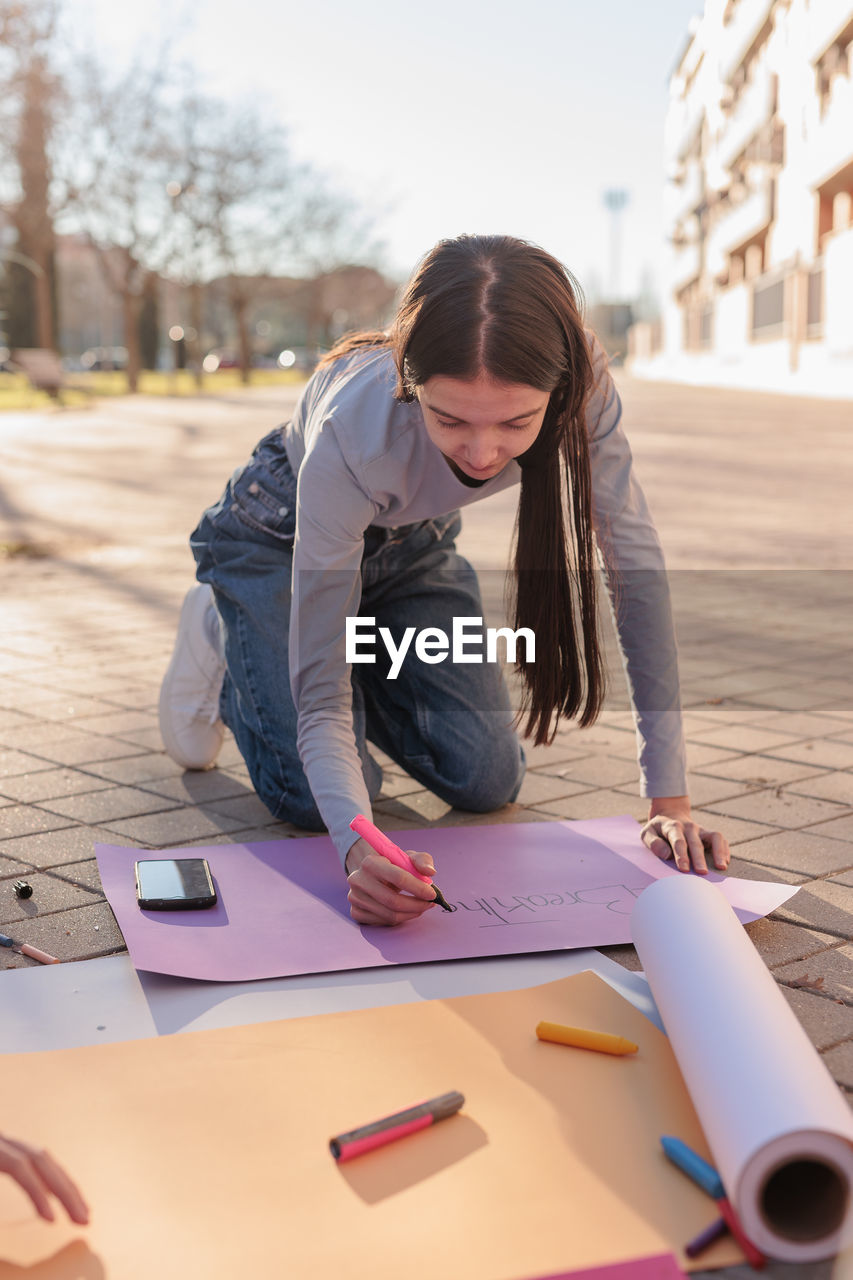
(62,1187)
(687,843)
(382,893)
(37,1173)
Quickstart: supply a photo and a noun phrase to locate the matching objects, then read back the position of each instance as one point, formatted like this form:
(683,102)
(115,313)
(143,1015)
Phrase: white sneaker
(190,726)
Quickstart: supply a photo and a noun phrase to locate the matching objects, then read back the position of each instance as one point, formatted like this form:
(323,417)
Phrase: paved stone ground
(751,495)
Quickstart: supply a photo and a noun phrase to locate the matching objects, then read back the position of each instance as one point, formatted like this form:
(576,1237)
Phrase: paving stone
(538,788)
(138,769)
(108,804)
(255,835)
(779,943)
(836,829)
(736,830)
(49,897)
(836,786)
(705,790)
(50,784)
(10,719)
(826,1022)
(812,725)
(595,804)
(90,748)
(167,830)
(397,784)
(419,808)
(829,972)
(828,753)
(247,809)
(54,848)
(624,955)
(21,820)
(600,771)
(743,738)
(12,867)
(78,934)
(198,786)
(839,1062)
(617,742)
(14,763)
(73,709)
(148,739)
(552,755)
(762,771)
(769,875)
(84,873)
(701,756)
(824,905)
(777,808)
(116,723)
(802,851)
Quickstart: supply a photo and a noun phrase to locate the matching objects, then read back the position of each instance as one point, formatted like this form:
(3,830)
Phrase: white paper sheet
(780,1130)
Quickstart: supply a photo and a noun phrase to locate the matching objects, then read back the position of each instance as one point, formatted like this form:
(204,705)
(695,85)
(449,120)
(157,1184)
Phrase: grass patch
(16,394)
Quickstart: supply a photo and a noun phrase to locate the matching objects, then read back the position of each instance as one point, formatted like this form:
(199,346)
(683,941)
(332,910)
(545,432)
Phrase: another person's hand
(382,893)
(671,833)
(38,1174)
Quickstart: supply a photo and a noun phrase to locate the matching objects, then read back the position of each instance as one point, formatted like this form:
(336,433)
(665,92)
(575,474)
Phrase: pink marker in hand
(379,842)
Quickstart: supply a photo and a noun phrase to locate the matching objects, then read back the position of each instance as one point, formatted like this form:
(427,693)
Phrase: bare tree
(117,164)
(30,92)
(246,211)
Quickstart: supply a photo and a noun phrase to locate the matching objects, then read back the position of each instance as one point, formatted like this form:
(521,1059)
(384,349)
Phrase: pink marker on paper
(388,849)
(369,1136)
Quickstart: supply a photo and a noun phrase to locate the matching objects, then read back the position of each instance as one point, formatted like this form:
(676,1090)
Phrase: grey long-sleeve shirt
(363,458)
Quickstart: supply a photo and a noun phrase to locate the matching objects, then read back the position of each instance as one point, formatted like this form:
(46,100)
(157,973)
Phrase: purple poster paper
(282,906)
(749,899)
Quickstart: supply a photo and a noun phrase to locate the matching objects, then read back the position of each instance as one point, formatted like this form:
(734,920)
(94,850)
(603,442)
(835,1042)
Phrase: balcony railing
(742,222)
(753,109)
(830,140)
(686,265)
(682,197)
(826,19)
(683,122)
(736,38)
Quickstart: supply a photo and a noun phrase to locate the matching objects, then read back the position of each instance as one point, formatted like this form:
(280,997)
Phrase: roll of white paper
(779,1128)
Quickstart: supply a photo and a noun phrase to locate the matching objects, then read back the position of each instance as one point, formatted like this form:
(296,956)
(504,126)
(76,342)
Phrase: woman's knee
(489,776)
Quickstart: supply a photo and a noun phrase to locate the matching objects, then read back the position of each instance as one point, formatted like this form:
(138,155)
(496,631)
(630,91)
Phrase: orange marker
(24,949)
(601,1041)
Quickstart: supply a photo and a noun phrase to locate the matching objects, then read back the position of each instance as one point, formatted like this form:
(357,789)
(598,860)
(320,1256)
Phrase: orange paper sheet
(206,1154)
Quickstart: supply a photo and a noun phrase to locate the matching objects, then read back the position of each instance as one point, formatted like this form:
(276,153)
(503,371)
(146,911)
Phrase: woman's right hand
(38,1174)
(382,893)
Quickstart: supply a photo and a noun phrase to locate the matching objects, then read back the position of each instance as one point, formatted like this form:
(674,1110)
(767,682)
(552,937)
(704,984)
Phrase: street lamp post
(615,201)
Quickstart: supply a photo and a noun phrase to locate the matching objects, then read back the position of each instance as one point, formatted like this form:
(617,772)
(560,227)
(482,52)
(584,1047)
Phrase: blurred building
(759,200)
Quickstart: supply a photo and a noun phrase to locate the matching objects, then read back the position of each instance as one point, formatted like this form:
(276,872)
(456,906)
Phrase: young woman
(487,378)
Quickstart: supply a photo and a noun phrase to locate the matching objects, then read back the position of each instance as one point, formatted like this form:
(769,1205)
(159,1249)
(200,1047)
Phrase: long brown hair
(506,308)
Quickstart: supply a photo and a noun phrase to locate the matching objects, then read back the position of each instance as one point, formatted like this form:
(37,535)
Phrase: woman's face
(480,424)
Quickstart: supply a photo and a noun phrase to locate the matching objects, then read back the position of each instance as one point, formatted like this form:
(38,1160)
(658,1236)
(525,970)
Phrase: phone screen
(174,883)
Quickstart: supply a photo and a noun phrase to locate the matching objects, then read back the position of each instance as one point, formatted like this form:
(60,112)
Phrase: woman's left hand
(671,833)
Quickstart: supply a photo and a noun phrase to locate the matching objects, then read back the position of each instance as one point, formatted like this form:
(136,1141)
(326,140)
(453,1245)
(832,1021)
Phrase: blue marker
(702,1173)
(706,1177)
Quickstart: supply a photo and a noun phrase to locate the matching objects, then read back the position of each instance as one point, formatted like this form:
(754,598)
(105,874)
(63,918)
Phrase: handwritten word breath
(432,645)
(529,908)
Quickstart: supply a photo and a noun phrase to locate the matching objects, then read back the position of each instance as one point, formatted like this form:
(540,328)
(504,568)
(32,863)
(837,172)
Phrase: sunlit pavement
(751,493)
